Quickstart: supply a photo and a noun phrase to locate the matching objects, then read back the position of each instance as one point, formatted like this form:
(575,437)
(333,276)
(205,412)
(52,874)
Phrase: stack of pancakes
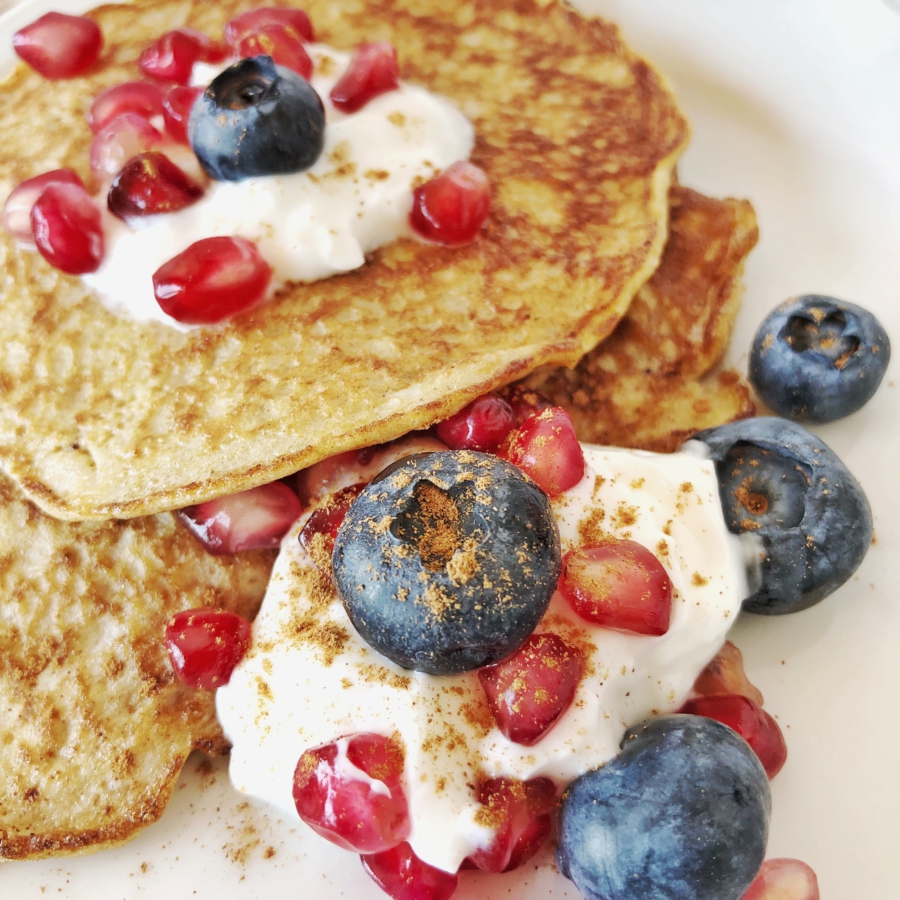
(593,257)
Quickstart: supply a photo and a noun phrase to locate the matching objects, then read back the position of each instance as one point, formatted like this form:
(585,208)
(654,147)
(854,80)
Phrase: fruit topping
(151,183)
(530,690)
(177,105)
(321,528)
(546,448)
(784,879)
(817,359)
(281,43)
(138,97)
(257,118)
(205,645)
(119,140)
(17,209)
(294,19)
(682,811)
(171,58)
(403,876)
(750,721)
(373,70)
(447,561)
(349,792)
(249,520)
(451,208)
(725,675)
(519,812)
(480,425)
(59,46)
(213,279)
(67,230)
(807,517)
(618,584)
(525,402)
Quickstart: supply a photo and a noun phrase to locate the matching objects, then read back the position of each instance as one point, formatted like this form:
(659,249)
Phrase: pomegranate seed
(138,97)
(725,675)
(67,230)
(205,645)
(451,208)
(172,57)
(349,792)
(213,279)
(525,402)
(280,42)
(177,105)
(17,209)
(545,448)
(481,425)
(249,520)
(59,46)
(530,690)
(618,584)
(403,876)
(244,24)
(373,70)
(750,721)
(321,529)
(148,184)
(124,136)
(519,813)
(784,879)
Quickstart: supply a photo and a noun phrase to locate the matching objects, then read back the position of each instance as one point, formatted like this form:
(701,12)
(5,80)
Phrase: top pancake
(104,417)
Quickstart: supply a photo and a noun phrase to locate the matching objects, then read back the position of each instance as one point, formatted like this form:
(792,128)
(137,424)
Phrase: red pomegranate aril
(530,690)
(373,70)
(725,675)
(750,721)
(403,876)
(525,402)
(177,105)
(171,58)
(244,24)
(138,97)
(254,519)
(17,209)
(67,230)
(124,136)
(280,42)
(451,208)
(618,584)
(481,425)
(205,645)
(343,805)
(213,279)
(59,46)
(149,184)
(519,813)
(784,879)
(546,449)
(321,528)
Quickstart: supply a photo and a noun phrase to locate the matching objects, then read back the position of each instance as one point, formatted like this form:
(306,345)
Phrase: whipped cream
(309,679)
(307,225)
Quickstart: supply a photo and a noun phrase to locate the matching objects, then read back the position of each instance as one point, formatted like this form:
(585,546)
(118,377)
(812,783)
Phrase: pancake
(105,417)
(648,385)
(95,727)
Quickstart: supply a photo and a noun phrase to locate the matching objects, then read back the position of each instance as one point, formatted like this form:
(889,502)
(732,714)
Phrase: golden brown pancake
(101,416)
(95,728)
(645,385)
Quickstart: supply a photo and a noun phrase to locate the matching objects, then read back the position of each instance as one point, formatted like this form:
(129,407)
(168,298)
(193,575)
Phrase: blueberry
(257,118)
(682,813)
(816,359)
(447,561)
(808,516)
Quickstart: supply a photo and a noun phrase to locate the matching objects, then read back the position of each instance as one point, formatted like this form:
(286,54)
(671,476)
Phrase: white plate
(795,106)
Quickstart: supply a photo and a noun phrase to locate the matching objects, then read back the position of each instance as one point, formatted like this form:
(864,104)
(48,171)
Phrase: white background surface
(794,104)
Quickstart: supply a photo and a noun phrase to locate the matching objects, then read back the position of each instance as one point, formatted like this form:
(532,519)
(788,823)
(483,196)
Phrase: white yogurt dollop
(309,679)
(307,225)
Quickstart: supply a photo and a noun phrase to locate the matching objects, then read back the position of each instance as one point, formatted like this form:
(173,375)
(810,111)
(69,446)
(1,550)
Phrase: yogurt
(307,225)
(309,679)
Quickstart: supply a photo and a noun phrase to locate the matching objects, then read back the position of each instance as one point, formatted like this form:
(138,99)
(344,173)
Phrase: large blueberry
(257,118)
(805,515)
(447,561)
(682,813)
(817,359)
